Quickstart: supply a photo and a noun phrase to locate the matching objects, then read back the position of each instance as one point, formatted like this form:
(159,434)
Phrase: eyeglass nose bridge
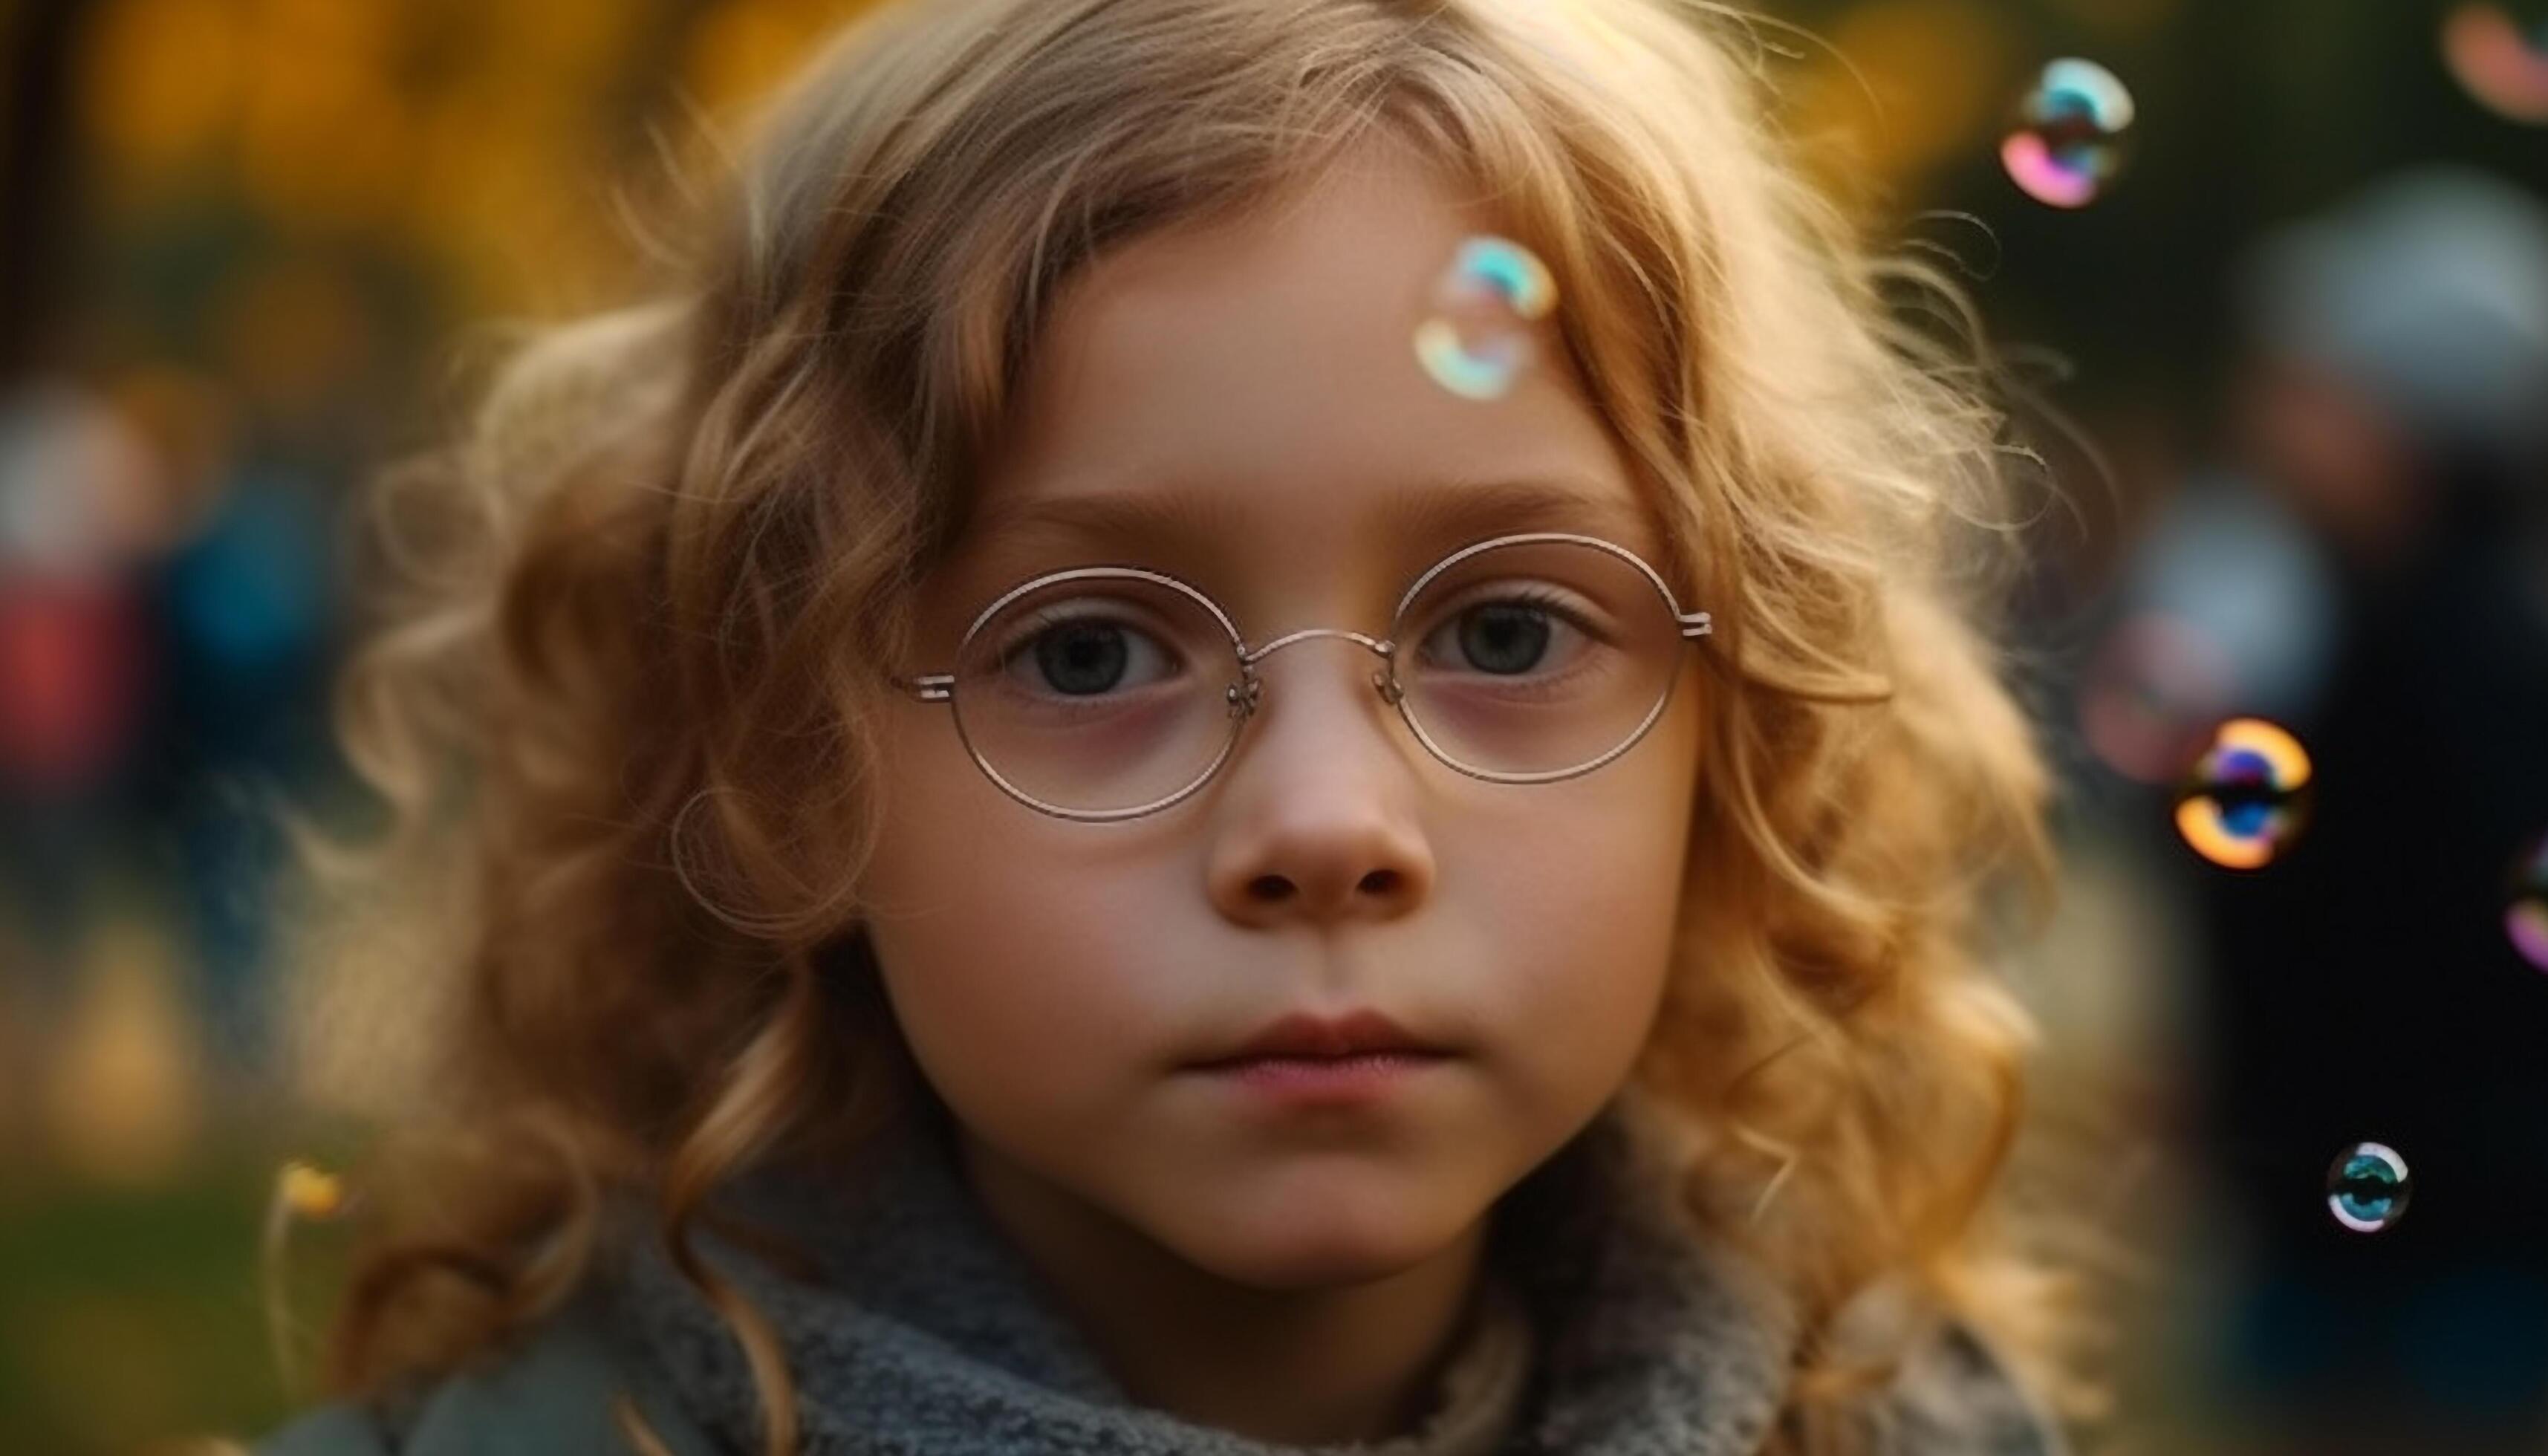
(1244,696)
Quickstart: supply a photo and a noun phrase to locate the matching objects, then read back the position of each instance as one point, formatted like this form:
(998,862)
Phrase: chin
(1296,1244)
(1300,1269)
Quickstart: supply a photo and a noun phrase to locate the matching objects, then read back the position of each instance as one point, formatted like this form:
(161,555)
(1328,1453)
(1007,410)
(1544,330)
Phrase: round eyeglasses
(1106,693)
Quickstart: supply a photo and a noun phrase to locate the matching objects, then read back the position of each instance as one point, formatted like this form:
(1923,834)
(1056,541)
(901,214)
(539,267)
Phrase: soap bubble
(2525,912)
(2367,1187)
(2499,60)
(1478,337)
(2247,796)
(2069,138)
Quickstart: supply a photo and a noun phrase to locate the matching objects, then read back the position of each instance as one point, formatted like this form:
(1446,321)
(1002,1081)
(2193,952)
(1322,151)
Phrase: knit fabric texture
(1606,1326)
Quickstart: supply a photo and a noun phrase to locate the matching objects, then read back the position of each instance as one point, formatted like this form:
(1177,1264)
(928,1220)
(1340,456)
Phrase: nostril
(1275,888)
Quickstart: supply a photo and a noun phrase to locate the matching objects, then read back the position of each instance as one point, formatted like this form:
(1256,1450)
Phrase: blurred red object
(72,669)
(2499,64)
(2154,689)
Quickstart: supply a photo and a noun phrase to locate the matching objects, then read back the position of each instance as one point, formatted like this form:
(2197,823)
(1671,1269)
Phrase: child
(932,695)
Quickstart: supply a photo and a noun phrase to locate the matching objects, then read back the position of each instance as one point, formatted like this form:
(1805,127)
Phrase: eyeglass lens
(1106,693)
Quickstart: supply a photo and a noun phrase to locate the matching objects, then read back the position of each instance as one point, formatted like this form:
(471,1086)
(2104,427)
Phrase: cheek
(1589,902)
(1579,896)
(1010,955)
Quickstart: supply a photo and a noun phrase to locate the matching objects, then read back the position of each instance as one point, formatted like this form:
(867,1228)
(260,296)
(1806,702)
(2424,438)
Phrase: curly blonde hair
(634,626)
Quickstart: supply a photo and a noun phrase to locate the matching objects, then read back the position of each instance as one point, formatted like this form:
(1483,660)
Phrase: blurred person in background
(76,667)
(162,636)
(242,607)
(2369,569)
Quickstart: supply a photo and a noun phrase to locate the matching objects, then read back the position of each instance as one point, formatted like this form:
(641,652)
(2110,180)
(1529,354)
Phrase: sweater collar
(921,1328)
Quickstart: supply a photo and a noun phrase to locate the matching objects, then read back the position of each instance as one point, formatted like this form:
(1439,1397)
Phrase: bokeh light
(2247,797)
(2367,1187)
(2525,911)
(2499,61)
(2154,686)
(122,1090)
(2069,141)
(1908,86)
(159,80)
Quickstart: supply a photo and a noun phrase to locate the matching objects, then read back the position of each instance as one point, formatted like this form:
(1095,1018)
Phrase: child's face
(1057,979)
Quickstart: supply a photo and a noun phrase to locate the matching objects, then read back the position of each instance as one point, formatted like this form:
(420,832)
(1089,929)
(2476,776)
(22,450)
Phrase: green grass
(130,1316)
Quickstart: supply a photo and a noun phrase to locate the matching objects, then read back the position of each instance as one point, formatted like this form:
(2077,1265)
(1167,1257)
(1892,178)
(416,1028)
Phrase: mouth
(1307,1037)
(1293,1080)
(1372,1055)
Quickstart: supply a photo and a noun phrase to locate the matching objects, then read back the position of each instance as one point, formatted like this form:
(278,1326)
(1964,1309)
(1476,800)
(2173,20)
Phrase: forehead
(1244,396)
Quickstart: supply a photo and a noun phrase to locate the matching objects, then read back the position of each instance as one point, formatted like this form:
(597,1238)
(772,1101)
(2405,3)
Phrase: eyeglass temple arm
(1695,624)
(935,687)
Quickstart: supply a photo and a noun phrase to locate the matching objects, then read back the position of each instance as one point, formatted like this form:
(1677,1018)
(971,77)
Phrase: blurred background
(2273,274)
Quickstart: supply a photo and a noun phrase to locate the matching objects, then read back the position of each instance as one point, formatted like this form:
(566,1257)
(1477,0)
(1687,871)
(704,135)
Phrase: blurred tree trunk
(35,174)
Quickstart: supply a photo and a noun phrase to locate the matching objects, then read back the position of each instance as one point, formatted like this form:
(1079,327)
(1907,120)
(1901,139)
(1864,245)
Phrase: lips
(1301,1035)
(1370,1078)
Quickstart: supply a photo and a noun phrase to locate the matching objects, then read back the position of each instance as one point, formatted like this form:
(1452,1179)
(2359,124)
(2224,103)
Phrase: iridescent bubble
(2499,61)
(2068,142)
(2247,796)
(2367,1187)
(1478,337)
(2525,911)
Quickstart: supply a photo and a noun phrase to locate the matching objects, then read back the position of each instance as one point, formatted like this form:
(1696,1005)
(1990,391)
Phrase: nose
(1318,820)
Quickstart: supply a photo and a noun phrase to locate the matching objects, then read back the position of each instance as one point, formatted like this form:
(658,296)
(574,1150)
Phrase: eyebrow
(1428,513)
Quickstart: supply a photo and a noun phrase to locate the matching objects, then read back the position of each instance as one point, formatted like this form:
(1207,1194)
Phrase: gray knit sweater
(1606,1328)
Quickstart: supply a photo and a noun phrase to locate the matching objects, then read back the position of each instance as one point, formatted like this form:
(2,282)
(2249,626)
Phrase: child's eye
(1075,651)
(1524,638)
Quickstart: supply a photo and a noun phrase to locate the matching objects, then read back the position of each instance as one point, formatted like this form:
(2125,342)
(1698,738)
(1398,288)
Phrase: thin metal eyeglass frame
(941,687)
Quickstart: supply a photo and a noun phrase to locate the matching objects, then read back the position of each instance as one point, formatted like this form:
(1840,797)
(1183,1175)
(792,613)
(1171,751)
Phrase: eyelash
(1048,618)
(1545,600)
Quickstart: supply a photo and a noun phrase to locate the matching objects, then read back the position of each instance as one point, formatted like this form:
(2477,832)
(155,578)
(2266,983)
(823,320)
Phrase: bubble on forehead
(2068,141)
(2500,59)
(2367,1187)
(2247,796)
(1475,339)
